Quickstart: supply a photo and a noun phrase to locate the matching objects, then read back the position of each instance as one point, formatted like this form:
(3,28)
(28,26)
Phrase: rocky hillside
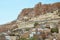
(39,9)
(39,12)
(8,26)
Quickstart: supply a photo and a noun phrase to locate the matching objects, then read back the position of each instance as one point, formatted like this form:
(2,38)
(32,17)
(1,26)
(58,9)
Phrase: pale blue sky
(9,9)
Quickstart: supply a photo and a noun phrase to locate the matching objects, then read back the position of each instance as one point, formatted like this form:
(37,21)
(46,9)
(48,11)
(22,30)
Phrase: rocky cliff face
(25,12)
(38,10)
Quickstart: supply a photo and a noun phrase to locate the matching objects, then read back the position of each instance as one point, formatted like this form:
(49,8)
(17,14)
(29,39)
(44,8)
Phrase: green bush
(23,39)
(27,29)
(35,24)
(32,38)
(54,30)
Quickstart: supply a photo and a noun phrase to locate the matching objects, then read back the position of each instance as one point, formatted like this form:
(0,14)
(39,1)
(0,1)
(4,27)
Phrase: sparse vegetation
(54,30)
(28,38)
(35,24)
(27,29)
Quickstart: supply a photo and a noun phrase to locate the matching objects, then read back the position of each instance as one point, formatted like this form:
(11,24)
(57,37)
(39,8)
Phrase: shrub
(32,38)
(35,24)
(27,29)
(22,39)
(54,30)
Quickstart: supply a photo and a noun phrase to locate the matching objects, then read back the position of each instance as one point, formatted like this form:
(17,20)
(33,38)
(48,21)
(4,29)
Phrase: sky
(9,9)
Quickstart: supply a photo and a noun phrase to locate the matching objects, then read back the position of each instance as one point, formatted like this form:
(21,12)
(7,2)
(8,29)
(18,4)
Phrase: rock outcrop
(39,9)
